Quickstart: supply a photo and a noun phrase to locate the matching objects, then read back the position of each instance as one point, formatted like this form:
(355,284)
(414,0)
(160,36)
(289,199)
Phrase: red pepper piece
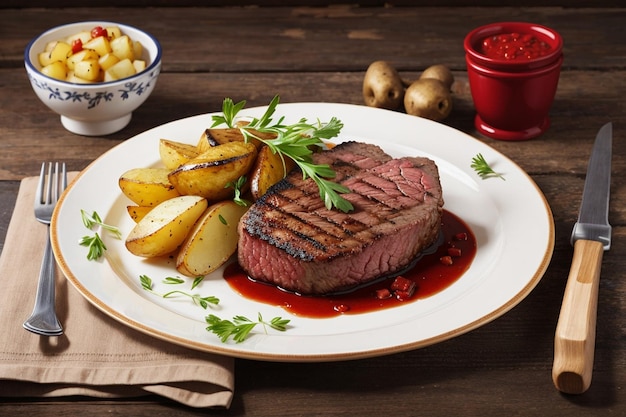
(403,288)
(383,294)
(461,236)
(98,31)
(77,46)
(403,295)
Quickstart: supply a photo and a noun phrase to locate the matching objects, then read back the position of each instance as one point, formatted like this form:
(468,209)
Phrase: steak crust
(289,239)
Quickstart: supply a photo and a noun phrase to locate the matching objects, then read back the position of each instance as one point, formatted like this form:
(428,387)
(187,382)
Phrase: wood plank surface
(21,4)
(321,54)
(345,38)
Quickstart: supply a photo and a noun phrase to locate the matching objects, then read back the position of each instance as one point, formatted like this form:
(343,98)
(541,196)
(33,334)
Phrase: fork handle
(44,298)
(574,342)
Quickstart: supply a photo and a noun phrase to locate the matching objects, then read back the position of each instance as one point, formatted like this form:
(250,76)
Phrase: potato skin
(382,86)
(208,174)
(219,136)
(439,72)
(429,98)
(147,186)
(212,241)
(162,230)
(173,154)
(267,171)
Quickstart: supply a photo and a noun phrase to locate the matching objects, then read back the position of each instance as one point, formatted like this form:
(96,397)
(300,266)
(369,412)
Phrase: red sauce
(514,47)
(431,274)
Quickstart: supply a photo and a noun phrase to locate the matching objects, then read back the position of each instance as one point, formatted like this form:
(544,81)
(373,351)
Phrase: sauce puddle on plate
(432,273)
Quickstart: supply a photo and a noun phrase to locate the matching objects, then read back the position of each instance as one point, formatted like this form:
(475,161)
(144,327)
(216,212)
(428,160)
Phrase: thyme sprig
(296,141)
(240,326)
(483,169)
(204,302)
(94,242)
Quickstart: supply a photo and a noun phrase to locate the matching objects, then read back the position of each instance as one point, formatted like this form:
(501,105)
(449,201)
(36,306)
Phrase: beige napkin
(97,356)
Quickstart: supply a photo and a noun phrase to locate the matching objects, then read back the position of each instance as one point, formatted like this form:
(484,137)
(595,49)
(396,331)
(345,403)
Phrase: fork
(43,319)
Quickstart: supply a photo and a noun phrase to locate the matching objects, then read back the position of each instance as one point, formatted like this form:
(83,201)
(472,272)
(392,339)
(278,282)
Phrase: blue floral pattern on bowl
(94,99)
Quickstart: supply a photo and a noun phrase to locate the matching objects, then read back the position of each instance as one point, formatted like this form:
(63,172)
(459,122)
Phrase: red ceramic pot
(513,95)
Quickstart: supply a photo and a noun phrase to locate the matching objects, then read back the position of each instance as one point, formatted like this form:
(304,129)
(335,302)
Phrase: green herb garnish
(238,186)
(173,280)
(197,282)
(295,141)
(240,327)
(483,169)
(94,243)
(146,284)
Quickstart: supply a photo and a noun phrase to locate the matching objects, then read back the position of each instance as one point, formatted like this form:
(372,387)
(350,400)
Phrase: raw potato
(208,174)
(267,171)
(174,154)
(212,241)
(165,227)
(137,212)
(382,86)
(147,186)
(439,72)
(429,98)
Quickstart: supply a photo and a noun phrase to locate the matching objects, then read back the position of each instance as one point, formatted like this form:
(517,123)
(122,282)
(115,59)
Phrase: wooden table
(320,54)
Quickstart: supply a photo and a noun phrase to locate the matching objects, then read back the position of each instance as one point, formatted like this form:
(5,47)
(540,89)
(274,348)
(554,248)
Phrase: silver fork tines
(43,319)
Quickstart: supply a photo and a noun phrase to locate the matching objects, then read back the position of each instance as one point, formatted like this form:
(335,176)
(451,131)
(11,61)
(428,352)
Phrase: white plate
(511,220)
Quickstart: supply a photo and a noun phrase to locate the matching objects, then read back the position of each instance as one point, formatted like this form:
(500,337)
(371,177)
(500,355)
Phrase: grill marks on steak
(289,239)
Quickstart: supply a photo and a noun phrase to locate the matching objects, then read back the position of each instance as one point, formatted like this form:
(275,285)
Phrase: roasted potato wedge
(165,227)
(137,212)
(214,137)
(147,186)
(219,136)
(267,171)
(174,154)
(208,174)
(212,241)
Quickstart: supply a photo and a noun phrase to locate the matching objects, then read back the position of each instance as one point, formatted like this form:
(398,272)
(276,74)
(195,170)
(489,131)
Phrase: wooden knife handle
(574,341)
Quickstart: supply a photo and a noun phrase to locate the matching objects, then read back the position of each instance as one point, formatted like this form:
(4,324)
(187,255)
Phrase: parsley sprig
(146,284)
(295,141)
(238,187)
(94,242)
(483,169)
(240,327)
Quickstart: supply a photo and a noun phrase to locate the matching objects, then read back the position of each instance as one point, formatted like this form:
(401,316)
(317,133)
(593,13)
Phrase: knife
(574,341)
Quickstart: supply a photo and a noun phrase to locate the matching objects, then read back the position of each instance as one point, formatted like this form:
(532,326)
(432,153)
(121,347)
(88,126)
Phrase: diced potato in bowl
(70,78)
(103,54)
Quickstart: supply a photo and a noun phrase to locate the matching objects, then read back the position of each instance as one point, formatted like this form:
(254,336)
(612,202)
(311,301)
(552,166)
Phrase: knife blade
(574,341)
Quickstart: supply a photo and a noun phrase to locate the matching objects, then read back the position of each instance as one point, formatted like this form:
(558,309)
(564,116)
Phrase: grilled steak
(289,239)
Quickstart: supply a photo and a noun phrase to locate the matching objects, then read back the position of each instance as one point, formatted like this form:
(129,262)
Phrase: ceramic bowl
(100,108)
(513,94)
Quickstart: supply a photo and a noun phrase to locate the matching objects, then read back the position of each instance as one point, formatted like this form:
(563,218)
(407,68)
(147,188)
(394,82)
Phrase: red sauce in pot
(431,274)
(514,47)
